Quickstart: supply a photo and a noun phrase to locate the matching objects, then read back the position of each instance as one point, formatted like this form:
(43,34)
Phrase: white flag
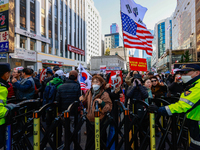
(86,76)
(133,10)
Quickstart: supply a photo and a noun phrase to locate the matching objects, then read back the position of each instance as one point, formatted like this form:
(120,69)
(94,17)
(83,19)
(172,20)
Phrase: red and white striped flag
(135,33)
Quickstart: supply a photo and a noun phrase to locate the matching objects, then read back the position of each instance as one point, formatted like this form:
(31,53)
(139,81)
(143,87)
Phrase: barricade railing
(18,129)
(48,130)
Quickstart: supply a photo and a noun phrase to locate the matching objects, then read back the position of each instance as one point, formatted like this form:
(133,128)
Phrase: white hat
(59,73)
(155,74)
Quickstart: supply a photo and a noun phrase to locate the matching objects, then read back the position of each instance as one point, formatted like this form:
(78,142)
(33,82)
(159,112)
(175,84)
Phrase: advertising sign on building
(76,50)
(7,16)
(138,64)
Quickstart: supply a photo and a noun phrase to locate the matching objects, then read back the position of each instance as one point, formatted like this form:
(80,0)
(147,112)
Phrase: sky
(157,10)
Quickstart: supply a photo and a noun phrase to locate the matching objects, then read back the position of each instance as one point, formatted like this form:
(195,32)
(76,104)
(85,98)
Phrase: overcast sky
(157,10)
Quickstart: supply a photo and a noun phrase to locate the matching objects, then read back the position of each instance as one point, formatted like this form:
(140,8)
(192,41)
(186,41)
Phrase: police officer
(4,108)
(188,103)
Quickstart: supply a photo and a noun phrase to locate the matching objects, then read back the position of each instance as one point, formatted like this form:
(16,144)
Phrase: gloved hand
(11,106)
(152,108)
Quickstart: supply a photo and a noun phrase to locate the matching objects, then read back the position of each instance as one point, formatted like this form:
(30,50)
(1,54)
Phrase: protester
(17,75)
(129,77)
(158,89)
(68,92)
(50,91)
(11,92)
(148,85)
(96,93)
(176,87)
(26,88)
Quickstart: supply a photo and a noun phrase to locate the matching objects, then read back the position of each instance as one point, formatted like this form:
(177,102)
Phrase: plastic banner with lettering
(138,64)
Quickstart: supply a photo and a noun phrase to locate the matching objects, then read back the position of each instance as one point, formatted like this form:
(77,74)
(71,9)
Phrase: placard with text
(138,64)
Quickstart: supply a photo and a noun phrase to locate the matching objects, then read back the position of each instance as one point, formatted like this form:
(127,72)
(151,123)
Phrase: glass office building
(114,28)
(161,39)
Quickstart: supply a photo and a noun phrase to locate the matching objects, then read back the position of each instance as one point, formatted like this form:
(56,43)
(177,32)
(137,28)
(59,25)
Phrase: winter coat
(138,93)
(128,81)
(106,105)
(175,88)
(159,90)
(68,93)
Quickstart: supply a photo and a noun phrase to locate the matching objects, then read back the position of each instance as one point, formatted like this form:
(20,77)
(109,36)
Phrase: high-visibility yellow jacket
(3,99)
(189,101)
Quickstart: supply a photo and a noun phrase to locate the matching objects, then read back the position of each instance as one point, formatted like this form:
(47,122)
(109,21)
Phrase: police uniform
(188,103)
(5,67)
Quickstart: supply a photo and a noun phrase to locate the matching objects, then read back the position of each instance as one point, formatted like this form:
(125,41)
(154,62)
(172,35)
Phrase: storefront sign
(4,21)
(113,68)
(4,47)
(4,7)
(31,35)
(45,61)
(18,63)
(138,64)
(76,50)
(24,54)
(2,2)
(4,36)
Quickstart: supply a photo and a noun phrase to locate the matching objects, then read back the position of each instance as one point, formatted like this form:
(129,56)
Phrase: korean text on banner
(138,64)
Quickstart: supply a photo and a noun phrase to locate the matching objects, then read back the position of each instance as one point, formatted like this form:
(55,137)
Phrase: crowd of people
(26,84)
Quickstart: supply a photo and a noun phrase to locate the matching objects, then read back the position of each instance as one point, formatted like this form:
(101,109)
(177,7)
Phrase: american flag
(136,35)
(82,83)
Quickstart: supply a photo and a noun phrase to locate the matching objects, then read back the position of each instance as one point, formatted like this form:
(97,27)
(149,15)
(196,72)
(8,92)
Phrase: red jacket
(11,92)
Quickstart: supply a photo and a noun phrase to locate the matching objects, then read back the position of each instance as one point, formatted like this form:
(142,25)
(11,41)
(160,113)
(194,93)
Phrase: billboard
(7,32)
(138,64)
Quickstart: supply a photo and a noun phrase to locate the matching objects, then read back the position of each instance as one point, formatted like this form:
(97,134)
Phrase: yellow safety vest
(3,99)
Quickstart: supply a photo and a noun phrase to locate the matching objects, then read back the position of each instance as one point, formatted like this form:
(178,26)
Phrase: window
(32,44)
(23,14)
(43,47)
(32,16)
(23,42)
(43,9)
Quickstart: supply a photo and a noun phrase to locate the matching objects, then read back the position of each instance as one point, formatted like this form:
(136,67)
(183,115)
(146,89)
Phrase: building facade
(197,13)
(93,20)
(112,40)
(184,30)
(49,33)
(162,44)
(114,28)
(112,62)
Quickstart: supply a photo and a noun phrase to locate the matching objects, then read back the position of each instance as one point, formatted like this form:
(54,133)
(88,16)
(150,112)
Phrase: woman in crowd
(96,93)
(158,88)
(148,85)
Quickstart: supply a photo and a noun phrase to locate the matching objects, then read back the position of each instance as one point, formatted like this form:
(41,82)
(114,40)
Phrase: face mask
(186,78)
(95,87)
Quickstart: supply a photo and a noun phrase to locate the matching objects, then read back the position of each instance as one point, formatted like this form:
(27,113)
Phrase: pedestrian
(148,85)
(68,92)
(50,91)
(5,108)
(158,88)
(96,93)
(189,103)
(177,86)
(26,88)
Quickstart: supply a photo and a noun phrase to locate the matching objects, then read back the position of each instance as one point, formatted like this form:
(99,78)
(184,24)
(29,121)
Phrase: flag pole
(123,38)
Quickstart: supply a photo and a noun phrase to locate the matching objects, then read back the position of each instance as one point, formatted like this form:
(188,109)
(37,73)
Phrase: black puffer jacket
(67,93)
(137,93)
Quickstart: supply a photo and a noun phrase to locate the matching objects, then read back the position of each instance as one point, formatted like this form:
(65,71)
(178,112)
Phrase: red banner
(76,50)
(42,74)
(138,64)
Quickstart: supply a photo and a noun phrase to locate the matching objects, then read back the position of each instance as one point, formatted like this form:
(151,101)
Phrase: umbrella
(167,72)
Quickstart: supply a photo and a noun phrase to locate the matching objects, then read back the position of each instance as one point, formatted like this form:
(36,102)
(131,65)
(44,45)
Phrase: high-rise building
(114,28)
(112,40)
(93,20)
(49,33)
(163,40)
(197,29)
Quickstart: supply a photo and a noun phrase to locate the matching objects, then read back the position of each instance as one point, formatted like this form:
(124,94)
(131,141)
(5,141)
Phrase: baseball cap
(49,71)
(4,67)
(59,73)
(189,67)
(56,68)
(150,73)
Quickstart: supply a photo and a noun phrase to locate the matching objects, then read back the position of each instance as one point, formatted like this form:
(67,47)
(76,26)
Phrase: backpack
(50,93)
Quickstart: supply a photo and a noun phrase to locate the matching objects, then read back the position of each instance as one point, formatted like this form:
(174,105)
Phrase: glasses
(153,81)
